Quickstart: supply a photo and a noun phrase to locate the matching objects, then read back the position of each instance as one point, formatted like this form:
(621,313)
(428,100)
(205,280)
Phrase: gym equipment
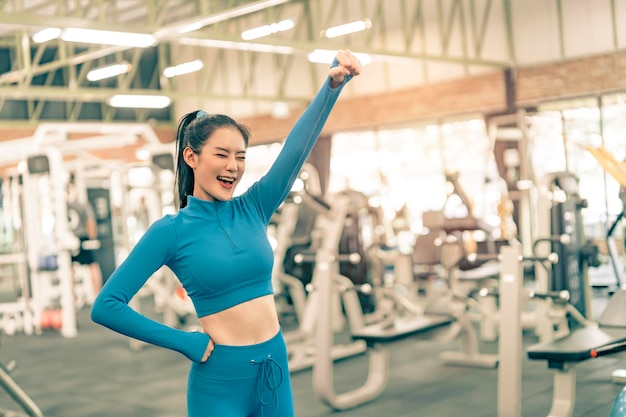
(301,343)
(35,192)
(608,337)
(590,341)
(11,387)
(294,231)
(618,171)
(560,201)
(511,291)
(16,311)
(453,323)
(48,238)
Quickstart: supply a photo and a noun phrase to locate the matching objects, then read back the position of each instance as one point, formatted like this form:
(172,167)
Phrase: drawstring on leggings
(268,379)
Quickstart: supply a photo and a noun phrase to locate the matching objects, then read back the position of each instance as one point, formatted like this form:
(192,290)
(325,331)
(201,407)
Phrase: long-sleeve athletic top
(219,250)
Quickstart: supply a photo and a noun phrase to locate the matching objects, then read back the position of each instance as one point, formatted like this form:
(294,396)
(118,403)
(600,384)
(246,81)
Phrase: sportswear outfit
(220,252)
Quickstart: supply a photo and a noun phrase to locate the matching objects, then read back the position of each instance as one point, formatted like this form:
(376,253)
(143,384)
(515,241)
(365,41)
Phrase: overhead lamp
(185,68)
(326,56)
(230,14)
(138,101)
(108,71)
(240,46)
(267,30)
(347,28)
(108,37)
(280,110)
(46,35)
(99,37)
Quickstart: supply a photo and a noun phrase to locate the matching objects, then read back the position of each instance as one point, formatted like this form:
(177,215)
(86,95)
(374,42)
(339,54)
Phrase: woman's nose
(231,164)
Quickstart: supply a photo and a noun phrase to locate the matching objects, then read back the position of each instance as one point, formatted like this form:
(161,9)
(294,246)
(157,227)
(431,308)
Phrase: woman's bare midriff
(248,323)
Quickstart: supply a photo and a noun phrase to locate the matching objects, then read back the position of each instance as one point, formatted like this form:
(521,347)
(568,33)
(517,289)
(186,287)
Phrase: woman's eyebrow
(220,148)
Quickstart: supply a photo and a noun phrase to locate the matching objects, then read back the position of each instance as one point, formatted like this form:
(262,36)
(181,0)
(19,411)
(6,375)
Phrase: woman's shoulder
(165,224)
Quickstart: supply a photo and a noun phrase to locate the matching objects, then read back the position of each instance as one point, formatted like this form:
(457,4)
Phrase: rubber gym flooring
(96,374)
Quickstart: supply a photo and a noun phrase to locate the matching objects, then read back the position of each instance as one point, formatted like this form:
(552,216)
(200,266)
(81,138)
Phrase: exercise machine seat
(401,329)
(581,344)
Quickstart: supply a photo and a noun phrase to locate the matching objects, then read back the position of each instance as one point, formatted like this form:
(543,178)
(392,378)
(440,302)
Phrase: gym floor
(96,374)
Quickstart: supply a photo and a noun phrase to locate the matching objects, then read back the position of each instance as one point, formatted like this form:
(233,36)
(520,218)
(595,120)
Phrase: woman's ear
(190,157)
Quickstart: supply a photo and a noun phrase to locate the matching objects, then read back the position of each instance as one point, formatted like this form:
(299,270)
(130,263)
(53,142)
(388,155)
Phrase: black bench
(401,329)
(607,338)
(582,344)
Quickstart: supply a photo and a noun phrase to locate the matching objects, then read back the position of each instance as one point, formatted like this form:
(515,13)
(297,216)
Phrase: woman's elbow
(97,313)
(101,310)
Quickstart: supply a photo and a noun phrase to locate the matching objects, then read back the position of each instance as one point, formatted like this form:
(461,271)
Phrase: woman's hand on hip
(208,351)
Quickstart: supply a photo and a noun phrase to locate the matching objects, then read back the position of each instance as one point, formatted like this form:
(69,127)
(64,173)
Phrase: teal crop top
(219,250)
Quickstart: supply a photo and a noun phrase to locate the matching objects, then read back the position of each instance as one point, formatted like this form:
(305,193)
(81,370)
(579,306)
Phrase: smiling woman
(210,170)
(217,246)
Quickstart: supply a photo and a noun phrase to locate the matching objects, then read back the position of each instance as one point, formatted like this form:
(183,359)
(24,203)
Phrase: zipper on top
(224,231)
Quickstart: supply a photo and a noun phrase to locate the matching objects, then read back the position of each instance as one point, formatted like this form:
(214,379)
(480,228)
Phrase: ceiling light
(107,37)
(347,28)
(192,27)
(230,14)
(139,101)
(46,35)
(109,71)
(280,110)
(267,30)
(241,46)
(326,56)
(186,68)
(142,154)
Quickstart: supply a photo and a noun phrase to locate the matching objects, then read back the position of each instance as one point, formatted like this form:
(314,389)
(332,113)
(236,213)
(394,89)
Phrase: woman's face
(219,166)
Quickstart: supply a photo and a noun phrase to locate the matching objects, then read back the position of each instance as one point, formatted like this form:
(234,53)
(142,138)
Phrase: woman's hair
(194,129)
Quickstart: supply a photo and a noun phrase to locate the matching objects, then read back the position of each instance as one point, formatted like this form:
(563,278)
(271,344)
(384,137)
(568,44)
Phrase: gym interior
(454,244)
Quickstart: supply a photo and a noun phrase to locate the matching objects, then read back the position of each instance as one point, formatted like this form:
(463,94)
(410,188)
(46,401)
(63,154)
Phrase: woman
(218,248)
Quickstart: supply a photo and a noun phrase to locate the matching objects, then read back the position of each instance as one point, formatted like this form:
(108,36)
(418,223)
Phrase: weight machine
(16,311)
(302,345)
(41,260)
(49,240)
(593,340)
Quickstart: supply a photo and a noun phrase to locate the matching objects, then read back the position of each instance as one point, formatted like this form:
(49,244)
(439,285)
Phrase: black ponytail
(184,174)
(194,129)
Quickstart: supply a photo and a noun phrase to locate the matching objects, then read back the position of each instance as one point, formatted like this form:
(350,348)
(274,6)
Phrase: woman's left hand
(348,65)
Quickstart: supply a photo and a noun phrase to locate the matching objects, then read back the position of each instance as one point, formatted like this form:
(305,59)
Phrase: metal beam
(97,95)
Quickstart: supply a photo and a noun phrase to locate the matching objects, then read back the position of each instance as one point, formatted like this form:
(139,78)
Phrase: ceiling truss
(49,81)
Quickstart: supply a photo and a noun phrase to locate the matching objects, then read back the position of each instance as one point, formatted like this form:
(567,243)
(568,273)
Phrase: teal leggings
(242,381)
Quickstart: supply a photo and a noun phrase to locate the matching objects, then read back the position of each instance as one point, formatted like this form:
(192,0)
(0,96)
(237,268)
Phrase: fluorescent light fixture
(347,28)
(46,35)
(142,154)
(139,101)
(107,37)
(280,110)
(192,27)
(230,14)
(240,46)
(186,68)
(267,30)
(326,56)
(109,71)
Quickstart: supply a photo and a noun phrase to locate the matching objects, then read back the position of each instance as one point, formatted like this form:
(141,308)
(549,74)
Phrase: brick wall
(571,78)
